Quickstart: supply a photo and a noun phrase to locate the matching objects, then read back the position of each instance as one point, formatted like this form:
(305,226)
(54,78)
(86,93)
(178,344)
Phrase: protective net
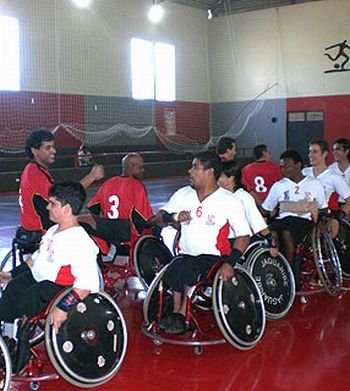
(79,73)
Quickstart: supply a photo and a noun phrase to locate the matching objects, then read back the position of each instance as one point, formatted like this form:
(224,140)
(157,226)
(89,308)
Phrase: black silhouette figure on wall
(339,66)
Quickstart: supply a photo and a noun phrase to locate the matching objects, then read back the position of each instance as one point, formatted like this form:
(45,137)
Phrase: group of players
(218,213)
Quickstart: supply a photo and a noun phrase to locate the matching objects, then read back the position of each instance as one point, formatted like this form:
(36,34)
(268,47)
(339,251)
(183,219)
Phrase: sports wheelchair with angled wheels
(320,268)
(273,276)
(87,351)
(342,245)
(216,311)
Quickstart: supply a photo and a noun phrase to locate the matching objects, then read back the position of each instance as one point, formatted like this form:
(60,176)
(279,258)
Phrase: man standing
(36,181)
(207,214)
(259,176)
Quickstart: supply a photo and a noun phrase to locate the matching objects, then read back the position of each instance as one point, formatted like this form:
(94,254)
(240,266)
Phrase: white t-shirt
(67,257)
(252,213)
(211,221)
(308,189)
(345,174)
(331,182)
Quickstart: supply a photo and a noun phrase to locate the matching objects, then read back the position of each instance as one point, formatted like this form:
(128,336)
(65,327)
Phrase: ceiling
(220,7)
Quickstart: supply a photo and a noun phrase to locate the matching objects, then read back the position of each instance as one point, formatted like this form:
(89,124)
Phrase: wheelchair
(216,311)
(342,245)
(273,276)
(87,351)
(320,268)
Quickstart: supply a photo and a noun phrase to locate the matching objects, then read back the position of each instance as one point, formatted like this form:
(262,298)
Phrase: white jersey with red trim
(67,257)
(331,182)
(345,174)
(211,221)
(252,213)
(308,189)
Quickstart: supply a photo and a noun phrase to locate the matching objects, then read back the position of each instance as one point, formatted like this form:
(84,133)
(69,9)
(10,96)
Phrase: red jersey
(119,195)
(34,185)
(260,176)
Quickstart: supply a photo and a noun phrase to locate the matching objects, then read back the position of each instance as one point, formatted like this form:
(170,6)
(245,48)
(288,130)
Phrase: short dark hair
(224,144)
(292,154)
(35,140)
(71,193)
(343,142)
(210,160)
(323,144)
(233,169)
(258,151)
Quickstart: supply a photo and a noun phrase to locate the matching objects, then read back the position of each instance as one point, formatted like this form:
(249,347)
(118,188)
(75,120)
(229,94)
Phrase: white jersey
(331,182)
(308,189)
(67,257)
(345,174)
(252,213)
(211,221)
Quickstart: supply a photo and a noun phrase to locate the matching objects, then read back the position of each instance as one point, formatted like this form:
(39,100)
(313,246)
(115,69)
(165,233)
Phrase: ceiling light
(210,15)
(156,13)
(83,4)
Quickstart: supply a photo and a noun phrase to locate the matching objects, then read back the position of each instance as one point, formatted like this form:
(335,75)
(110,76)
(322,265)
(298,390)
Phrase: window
(9,58)
(152,70)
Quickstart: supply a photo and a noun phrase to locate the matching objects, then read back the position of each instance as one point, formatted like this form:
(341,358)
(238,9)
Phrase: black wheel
(274,277)
(91,344)
(342,244)
(150,256)
(326,261)
(159,299)
(5,366)
(239,309)
(6,263)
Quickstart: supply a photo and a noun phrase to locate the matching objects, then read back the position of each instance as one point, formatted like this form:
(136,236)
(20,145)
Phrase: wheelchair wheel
(5,366)
(239,309)
(253,245)
(150,256)
(91,344)
(274,277)
(342,244)
(159,300)
(327,262)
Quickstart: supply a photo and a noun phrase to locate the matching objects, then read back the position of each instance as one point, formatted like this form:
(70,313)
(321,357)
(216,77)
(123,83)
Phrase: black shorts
(186,270)
(297,226)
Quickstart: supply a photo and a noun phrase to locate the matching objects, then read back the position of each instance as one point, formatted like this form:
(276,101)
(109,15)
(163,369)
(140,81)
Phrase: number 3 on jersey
(113,210)
(259,182)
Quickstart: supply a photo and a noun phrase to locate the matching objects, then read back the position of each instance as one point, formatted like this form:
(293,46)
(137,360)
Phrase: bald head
(133,165)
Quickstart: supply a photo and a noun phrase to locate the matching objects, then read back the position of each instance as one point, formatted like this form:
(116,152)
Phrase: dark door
(302,127)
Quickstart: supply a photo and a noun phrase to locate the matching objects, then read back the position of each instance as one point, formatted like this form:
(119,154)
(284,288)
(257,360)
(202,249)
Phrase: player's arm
(40,204)
(96,173)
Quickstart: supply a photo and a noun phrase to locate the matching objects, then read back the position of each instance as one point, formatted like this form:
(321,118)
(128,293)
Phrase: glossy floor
(307,350)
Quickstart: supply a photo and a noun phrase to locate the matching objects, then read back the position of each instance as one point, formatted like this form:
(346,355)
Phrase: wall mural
(338,52)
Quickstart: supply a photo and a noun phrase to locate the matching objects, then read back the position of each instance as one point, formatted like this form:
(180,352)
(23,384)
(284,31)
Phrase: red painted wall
(336,113)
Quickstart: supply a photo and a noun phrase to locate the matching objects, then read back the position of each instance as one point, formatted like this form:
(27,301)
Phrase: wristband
(168,217)
(234,257)
(22,268)
(69,301)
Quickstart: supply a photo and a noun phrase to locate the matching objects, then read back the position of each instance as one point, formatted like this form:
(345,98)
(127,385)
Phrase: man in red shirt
(123,197)
(35,182)
(259,176)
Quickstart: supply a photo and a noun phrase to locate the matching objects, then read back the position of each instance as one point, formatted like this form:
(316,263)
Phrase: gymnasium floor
(307,350)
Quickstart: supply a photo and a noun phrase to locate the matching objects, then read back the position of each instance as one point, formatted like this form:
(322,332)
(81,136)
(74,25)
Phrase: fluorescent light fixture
(156,13)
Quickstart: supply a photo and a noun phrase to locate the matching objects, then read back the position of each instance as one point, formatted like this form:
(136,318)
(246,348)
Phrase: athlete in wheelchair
(262,258)
(301,233)
(66,258)
(207,213)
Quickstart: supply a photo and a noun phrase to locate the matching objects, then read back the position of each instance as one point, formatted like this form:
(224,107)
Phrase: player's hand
(273,252)
(57,318)
(5,277)
(183,216)
(227,271)
(97,172)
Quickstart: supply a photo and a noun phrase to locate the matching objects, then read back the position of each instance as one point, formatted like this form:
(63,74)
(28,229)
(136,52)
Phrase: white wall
(249,52)
(69,50)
